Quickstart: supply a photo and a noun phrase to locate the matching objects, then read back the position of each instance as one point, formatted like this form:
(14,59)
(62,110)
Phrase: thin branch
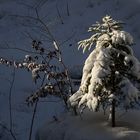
(39,21)
(40,4)
(59,15)
(19,49)
(58,47)
(10,105)
(10,99)
(27,34)
(37,14)
(6,79)
(69,38)
(14,48)
(26,5)
(51,101)
(23,16)
(68,12)
(7,129)
(33,118)
(34,112)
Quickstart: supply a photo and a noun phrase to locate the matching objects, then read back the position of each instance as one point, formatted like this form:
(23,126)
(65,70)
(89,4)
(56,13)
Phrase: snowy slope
(83,13)
(91,126)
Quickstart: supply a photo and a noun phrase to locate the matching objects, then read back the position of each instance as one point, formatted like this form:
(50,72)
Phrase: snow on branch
(111,71)
(109,27)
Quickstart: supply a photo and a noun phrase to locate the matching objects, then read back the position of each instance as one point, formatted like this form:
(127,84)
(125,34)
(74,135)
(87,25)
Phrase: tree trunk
(112,111)
(112,114)
(75,111)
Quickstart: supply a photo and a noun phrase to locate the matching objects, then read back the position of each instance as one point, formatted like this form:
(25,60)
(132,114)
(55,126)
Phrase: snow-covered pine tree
(111,74)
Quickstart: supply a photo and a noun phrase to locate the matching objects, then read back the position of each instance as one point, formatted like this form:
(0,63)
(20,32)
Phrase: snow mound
(91,126)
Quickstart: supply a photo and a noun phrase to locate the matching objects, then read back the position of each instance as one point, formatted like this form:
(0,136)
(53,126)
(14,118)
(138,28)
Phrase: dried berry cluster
(45,66)
(37,47)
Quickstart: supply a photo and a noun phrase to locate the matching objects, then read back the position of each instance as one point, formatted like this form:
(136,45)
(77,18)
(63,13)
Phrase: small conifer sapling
(111,73)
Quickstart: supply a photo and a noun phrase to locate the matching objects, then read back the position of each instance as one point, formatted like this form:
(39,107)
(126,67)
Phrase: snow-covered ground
(82,14)
(92,126)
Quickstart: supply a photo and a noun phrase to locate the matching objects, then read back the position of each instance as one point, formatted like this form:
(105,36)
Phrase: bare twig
(33,119)
(40,4)
(26,5)
(34,112)
(58,47)
(58,56)
(59,15)
(19,49)
(8,130)
(69,38)
(60,59)
(22,50)
(10,106)
(68,12)
(51,101)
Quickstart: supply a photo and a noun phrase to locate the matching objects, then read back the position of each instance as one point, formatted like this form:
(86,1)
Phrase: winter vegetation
(111,72)
(51,90)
